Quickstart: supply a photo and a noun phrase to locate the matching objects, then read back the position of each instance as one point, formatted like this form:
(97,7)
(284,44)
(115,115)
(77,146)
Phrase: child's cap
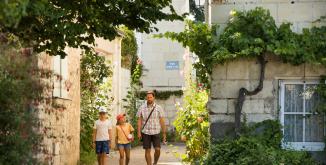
(120,116)
(103,110)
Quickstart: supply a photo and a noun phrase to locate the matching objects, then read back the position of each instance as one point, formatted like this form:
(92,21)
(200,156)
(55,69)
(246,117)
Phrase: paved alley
(170,155)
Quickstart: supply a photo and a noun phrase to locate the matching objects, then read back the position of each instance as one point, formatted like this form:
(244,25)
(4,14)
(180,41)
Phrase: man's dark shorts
(102,147)
(148,140)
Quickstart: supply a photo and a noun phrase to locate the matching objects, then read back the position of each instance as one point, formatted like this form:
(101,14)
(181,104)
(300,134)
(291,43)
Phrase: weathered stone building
(60,120)
(285,95)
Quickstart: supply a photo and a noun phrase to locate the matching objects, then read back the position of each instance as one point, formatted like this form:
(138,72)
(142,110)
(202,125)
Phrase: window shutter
(64,74)
(56,71)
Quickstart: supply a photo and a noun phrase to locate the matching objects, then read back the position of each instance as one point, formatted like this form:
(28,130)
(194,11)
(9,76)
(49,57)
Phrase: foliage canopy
(51,25)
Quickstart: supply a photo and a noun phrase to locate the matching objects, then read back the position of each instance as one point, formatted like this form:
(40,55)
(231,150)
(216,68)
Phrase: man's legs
(148,156)
(157,154)
(157,145)
(147,141)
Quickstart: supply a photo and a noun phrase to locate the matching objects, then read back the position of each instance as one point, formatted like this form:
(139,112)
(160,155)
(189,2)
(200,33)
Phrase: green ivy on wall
(162,95)
(128,48)
(132,97)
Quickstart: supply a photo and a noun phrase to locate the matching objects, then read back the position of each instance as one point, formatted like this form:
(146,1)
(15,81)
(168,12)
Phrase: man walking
(150,122)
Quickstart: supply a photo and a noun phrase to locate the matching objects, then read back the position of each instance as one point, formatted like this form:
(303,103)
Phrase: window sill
(61,98)
(304,146)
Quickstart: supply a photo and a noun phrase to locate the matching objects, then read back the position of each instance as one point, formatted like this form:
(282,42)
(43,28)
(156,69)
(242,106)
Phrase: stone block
(224,118)
(170,108)
(219,72)
(314,70)
(254,70)
(268,90)
(269,105)
(296,12)
(238,69)
(175,82)
(221,13)
(279,69)
(253,106)
(171,114)
(319,9)
(227,88)
(255,118)
(218,106)
(231,106)
(259,106)
(159,81)
(157,65)
(221,130)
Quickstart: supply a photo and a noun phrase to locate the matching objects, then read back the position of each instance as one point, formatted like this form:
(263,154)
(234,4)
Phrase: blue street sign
(172,65)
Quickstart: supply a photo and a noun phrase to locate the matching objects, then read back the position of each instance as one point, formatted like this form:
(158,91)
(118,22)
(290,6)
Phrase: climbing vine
(128,48)
(95,85)
(132,97)
(162,95)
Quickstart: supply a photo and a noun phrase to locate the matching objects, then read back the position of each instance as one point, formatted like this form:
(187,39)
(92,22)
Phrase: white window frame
(60,67)
(300,146)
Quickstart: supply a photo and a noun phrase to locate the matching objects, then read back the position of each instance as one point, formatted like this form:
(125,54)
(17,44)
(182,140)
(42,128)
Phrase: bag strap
(123,132)
(148,117)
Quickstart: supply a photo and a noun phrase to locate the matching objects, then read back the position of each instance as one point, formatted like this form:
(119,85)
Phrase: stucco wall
(227,79)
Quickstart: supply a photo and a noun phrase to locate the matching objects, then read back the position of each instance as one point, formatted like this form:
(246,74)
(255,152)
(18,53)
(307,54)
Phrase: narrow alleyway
(170,155)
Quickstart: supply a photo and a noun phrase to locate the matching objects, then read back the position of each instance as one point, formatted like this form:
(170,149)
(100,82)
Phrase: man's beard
(149,102)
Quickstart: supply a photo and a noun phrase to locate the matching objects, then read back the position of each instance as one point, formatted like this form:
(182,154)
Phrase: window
(60,68)
(303,128)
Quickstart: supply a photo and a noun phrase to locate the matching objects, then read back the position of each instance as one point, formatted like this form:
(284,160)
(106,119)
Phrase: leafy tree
(51,25)
(197,11)
(22,90)
(128,49)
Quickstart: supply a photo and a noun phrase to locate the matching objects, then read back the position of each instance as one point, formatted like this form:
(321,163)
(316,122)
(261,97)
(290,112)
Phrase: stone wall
(156,53)
(227,79)
(170,110)
(60,121)
(300,13)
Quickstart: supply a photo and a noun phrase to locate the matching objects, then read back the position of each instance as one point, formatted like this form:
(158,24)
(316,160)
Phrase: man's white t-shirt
(102,129)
